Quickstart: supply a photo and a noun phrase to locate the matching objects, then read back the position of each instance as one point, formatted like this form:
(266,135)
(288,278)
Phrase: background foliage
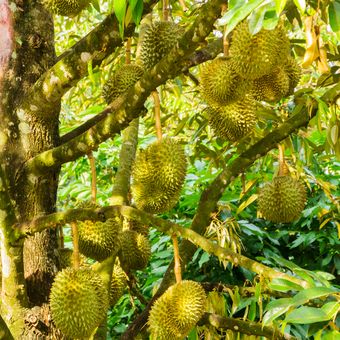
(308,247)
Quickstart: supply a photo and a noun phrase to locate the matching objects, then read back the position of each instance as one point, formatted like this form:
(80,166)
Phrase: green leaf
(306,315)
(119,7)
(284,285)
(133,3)
(204,258)
(280,5)
(311,293)
(256,19)
(331,309)
(96,5)
(137,12)
(334,15)
(301,5)
(275,309)
(237,14)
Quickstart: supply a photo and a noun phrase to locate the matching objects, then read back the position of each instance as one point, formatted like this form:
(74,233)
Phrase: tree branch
(72,64)
(169,67)
(4,331)
(198,57)
(245,327)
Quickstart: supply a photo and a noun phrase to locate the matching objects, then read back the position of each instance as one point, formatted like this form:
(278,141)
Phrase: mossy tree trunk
(28,266)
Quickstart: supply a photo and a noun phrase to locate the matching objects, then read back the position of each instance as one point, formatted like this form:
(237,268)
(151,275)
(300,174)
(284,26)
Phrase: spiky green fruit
(282,200)
(78,301)
(135,251)
(254,55)
(139,227)
(121,81)
(233,121)
(69,8)
(271,87)
(293,72)
(158,40)
(118,284)
(220,84)
(158,176)
(177,311)
(99,240)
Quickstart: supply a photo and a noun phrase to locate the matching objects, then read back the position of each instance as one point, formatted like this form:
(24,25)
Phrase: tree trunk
(27,51)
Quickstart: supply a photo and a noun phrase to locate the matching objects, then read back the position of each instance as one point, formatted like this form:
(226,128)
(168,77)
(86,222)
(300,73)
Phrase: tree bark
(28,34)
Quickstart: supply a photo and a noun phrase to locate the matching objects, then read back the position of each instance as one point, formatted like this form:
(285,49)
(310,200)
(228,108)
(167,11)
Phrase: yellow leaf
(324,222)
(244,204)
(312,50)
(248,186)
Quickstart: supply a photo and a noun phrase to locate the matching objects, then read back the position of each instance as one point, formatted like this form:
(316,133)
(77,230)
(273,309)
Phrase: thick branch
(72,65)
(198,57)
(245,327)
(169,67)
(126,157)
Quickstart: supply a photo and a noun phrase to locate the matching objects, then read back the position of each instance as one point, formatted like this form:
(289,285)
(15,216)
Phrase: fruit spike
(158,176)
(177,311)
(78,301)
(233,121)
(282,200)
(220,84)
(69,8)
(158,40)
(121,81)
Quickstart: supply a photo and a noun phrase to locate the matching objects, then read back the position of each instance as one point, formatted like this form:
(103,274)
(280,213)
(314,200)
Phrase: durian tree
(241,87)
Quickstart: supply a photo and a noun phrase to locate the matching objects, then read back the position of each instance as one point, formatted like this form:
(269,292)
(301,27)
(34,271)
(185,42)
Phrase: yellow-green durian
(220,84)
(271,87)
(158,176)
(233,121)
(135,251)
(139,227)
(282,200)
(253,55)
(118,284)
(177,311)
(78,301)
(293,72)
(158,40)
(69,8)
(121,81)
(99,240)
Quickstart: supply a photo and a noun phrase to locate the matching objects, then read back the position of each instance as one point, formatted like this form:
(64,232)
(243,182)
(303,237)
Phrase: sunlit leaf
(334,15)
(306,315)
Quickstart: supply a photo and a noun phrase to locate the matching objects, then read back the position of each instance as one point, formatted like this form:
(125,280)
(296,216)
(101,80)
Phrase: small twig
(157,109)
(75,240)
(134,290)
(243,179)
(165,10)
(283,169)
(177,259)
(183,5)
(93,177)
(128,51)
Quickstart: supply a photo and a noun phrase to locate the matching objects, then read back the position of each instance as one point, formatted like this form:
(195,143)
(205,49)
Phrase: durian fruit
(69,8)
(177,311)
(220,84)
(254,55)
(282,200)
(158,40)
(272,87)
(99,240)
(118,284)
(135,251)
(122,80)
(293,71)
(158,176)
(233,121)
(78,301)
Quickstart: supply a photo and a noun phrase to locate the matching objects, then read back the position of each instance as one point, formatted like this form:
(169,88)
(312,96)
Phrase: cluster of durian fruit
(259,68)
(159,171)
(79,298)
